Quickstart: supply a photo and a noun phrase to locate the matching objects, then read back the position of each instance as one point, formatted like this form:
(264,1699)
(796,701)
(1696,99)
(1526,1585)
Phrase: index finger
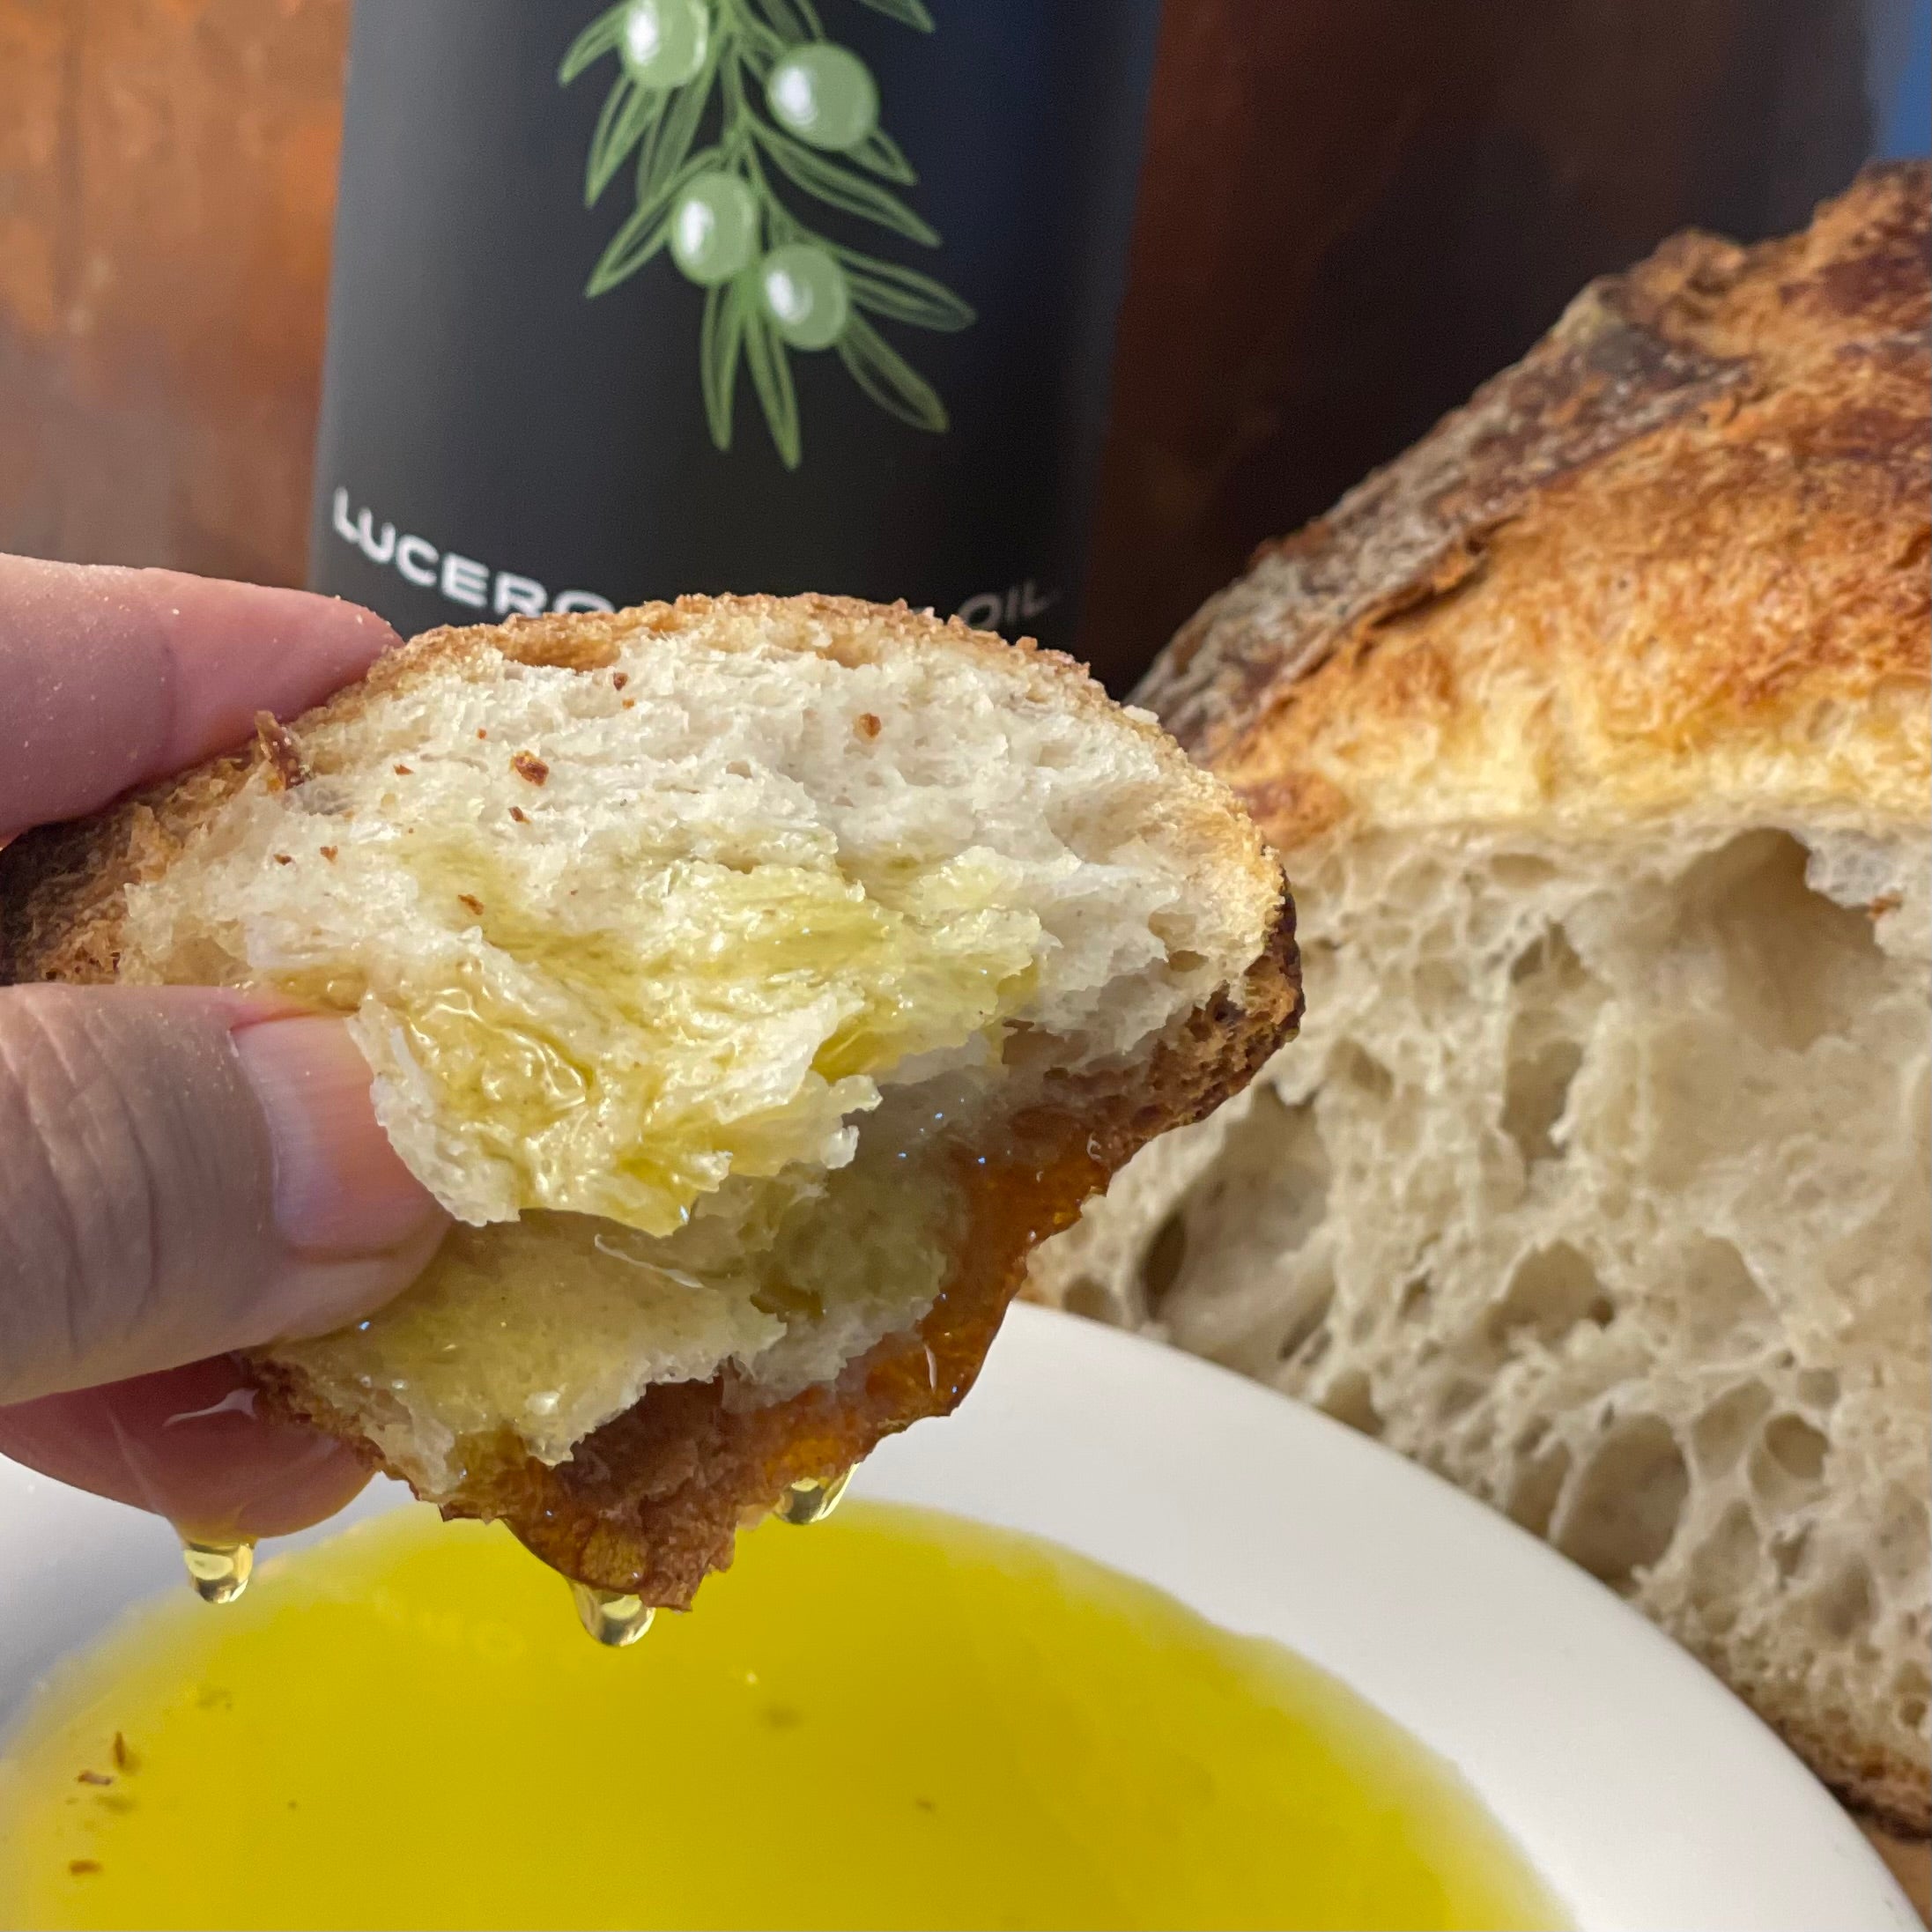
(110,678)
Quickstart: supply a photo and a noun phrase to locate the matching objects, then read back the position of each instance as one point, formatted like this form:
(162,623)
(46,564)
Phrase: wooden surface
(167,179)
(1350,215)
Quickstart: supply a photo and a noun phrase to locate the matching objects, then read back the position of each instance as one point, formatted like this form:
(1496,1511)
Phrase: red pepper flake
(628,702)
(522,817)
(866,725)
(404,771)
(82,1867)
(93,1777)
(527,764)
(283,754)
(619,679)
(328,852)
(282,858)
(472,902)
(481,733)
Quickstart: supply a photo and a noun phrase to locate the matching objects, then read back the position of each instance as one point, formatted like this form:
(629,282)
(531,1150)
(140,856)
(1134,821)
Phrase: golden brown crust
(1675,558)
(651,1501)
(1674,563)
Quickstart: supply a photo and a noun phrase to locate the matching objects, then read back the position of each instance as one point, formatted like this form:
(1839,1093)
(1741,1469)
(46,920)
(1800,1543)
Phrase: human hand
(183,1172)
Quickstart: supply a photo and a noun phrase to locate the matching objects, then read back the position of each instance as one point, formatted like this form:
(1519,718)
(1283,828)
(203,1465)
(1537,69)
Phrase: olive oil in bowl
(898,1718)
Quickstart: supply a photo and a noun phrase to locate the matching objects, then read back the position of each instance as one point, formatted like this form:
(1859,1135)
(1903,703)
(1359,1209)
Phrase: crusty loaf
(1594,731)
(754,979)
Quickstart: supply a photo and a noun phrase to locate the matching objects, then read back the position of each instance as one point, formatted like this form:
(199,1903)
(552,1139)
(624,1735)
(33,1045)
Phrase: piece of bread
(1594,734)
(754,979)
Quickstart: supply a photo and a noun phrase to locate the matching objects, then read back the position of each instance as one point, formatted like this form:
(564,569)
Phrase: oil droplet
(219,1571)
(610,1617)
(812,1500)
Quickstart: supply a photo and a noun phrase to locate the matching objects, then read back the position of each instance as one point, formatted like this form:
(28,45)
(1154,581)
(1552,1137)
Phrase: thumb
(186,1172)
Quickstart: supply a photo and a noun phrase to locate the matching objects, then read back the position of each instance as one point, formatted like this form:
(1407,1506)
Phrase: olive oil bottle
(708,295)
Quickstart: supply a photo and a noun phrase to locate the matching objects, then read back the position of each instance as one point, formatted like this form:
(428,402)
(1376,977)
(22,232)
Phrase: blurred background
(1351,212)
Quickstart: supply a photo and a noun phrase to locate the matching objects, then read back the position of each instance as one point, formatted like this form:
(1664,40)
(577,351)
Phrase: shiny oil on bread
(754,980)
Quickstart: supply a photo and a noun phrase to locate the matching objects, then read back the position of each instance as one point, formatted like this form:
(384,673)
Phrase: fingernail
(340,1187)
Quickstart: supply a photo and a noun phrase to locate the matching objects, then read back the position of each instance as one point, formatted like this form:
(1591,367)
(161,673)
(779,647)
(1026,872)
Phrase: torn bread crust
(1724,447)
(649,1500)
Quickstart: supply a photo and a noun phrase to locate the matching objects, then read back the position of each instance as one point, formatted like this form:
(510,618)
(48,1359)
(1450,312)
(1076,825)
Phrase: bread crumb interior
(667,971)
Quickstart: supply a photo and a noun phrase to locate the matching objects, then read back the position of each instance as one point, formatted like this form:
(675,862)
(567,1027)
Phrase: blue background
(1902,82)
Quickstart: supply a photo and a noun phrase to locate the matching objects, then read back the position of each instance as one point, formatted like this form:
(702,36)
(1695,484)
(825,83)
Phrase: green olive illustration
(726,114)
(805,295)
(713,228)
(665,41)
(824,94)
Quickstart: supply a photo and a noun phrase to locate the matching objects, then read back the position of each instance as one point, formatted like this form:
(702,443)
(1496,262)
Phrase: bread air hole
(1795,1447)
(1843,1606)
(1552,1290)
(1723,1567)
(1899,1551)
(1533,1493)
(1160,1267)
(1362,1071)
(1522,871)
(1719,1435)
(1248,1219)
(1351,1398)
(1312,1350)
(1912,1687)
(1088,1297)
(1536,1092)
(1305,1336)
(1458,1396)
(1788,1550)
(1788,1464)
(1794,965)
(1622,1510)
(1818,1387)
(1712,1297)
(1550,967)
(1553,997)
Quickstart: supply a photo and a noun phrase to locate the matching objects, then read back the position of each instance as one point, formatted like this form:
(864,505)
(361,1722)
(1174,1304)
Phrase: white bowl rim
(1641,1789)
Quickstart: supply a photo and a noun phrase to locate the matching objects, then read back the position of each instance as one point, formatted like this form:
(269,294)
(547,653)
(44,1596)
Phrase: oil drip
(612,1618)
(218,1572)
(812,1500)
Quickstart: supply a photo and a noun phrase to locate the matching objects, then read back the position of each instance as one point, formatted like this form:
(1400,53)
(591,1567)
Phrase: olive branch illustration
(791,105)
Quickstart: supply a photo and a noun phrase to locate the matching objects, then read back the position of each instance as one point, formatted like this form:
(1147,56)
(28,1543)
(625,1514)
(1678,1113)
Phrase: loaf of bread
(1593,732)
(754,980)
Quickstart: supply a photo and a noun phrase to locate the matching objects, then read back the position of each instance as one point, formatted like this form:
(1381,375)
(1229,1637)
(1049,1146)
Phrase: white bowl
(1641,1790)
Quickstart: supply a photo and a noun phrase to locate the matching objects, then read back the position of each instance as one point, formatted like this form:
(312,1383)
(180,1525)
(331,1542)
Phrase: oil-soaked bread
(754,979)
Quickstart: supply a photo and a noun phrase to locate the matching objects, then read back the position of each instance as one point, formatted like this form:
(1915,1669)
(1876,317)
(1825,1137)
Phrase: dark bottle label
(725,295)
